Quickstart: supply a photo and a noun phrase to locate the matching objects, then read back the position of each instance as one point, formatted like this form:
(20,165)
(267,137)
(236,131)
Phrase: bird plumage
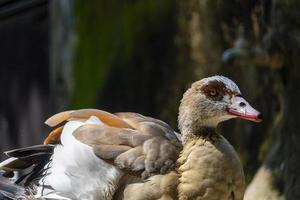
(99,155)
(210,170)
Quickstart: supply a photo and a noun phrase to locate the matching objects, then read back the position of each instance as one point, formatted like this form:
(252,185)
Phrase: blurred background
(141,55)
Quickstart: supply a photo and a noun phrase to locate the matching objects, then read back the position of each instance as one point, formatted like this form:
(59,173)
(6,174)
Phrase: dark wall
(24,72)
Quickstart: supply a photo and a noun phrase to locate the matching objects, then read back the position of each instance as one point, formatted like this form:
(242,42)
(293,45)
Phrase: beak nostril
(242,104)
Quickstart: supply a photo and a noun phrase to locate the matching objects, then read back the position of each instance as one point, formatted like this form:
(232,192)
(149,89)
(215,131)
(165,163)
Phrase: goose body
(92,154)
(208,170)
(216,167)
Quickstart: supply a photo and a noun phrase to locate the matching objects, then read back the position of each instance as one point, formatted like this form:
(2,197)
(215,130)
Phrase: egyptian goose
(93,154)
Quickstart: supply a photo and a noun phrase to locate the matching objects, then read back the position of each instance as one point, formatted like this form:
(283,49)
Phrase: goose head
(210,101)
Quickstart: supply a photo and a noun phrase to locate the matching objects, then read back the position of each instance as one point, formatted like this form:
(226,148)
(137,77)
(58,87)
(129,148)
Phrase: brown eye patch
(214,90)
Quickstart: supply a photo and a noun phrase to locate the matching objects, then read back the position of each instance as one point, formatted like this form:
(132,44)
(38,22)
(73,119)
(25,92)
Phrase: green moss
(107,35)
(94,27)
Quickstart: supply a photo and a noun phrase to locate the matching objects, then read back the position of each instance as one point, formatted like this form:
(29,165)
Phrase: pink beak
(239,107)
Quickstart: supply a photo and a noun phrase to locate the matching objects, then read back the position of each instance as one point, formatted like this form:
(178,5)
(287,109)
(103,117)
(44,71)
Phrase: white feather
(76,172)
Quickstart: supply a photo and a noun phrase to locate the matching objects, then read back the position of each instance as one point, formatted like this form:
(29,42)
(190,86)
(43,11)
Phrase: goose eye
(213,92)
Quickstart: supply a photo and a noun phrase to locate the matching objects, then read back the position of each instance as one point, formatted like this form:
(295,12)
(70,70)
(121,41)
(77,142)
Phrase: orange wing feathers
(80,115)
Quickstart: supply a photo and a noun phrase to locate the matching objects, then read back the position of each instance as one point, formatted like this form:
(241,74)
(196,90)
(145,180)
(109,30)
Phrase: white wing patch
(76,172)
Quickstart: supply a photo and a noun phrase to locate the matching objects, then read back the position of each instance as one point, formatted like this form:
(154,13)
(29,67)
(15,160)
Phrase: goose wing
(130,141)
